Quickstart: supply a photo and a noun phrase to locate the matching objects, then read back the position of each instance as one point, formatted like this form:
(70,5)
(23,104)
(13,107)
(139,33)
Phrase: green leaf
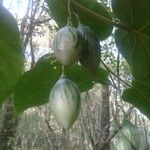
(138,95)
(35,85)
(83,79)
(134,44)
(11,56)
(59,12)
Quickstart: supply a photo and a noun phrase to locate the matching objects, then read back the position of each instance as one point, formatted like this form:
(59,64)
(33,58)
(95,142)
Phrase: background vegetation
(26,121)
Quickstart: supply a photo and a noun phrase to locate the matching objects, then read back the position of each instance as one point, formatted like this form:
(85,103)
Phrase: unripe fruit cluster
(70,45)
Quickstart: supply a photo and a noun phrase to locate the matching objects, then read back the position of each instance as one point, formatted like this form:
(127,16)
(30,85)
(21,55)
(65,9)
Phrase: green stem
(79,22)
(69,23)
(108,21)
(69,11)
(63,71)
(100,17)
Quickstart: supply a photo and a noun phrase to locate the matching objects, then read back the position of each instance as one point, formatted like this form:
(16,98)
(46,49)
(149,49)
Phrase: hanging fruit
(123,144)
(132,133)
(90,54)
(128,135)
(65,102)
(67,45)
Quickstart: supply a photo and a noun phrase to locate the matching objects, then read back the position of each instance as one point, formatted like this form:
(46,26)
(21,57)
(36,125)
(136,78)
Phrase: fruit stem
(63,71)
(100,17)
(69,11)
(69,23)
(79,22)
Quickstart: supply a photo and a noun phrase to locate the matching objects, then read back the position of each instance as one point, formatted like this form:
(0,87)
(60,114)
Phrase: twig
(32,52)
(69,22)
(46,121)
(105,143)
(112,80)
(118,72)
(124,113)
(100,17)
(69,11)
(102,133)
(41,21)
(108,21)
(109,70)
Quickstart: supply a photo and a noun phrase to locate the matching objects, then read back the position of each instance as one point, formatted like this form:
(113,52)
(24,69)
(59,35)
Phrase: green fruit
(90,54)
(67,45)
(123,144)
(132,133)
(129,135)
(65,102)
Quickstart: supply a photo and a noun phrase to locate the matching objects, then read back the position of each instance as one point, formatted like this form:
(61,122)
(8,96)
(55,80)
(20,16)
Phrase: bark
(146,136)
(24,21)
(105,115)
(9,126)
(105,119)
(8,130)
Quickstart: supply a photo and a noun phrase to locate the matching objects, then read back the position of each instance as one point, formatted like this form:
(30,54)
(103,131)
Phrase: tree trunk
(105,118)
(105,114)
(146,136)
(8,129)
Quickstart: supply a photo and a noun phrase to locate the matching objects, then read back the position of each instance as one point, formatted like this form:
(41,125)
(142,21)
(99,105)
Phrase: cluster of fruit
(71,45)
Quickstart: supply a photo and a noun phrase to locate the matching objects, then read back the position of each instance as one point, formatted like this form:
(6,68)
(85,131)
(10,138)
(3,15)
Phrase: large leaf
(138,95)
(11,56)
(83,79)
(35,85)
(59,12)
(134,44)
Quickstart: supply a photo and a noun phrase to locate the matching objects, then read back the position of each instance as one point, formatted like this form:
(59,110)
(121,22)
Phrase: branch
(42,21)
(105,143)
(31,27)
(100,17)
(32,52)
(46,120)
(109,70)
(24,21)
(118,72)
(108,21)
(102,133)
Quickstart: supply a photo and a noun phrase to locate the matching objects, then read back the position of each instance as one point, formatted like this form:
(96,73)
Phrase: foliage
(132,39)
(134,44)
(59,12)
(37,129)
(35,85)
(11,56)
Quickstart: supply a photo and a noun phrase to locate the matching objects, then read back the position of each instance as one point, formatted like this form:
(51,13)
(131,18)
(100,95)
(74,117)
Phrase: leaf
(11,56)
(59,12)
(83,79)
(138,95)
(134,44)
(35,85)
